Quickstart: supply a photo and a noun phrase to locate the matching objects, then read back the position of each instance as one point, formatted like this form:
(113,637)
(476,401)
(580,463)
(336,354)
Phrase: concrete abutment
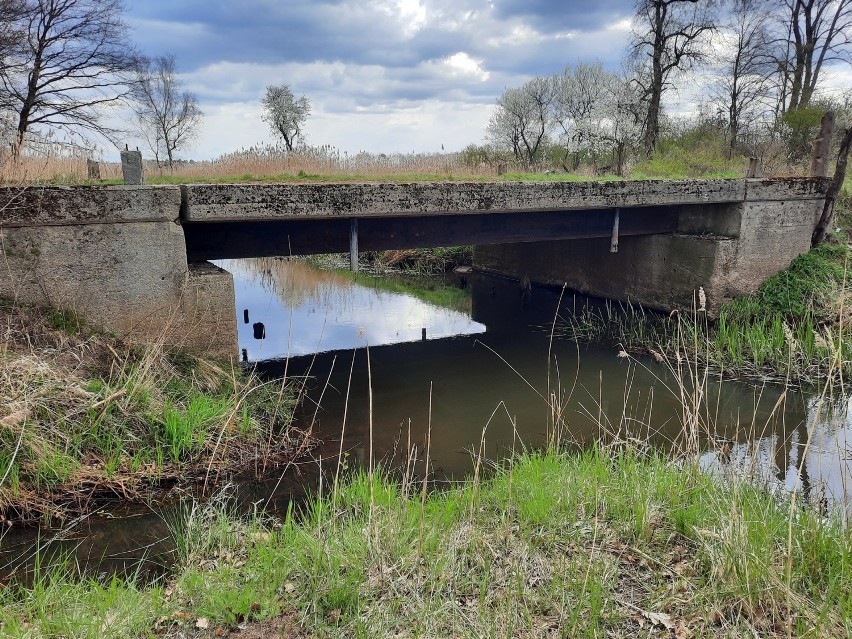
(117,257)
(728,249)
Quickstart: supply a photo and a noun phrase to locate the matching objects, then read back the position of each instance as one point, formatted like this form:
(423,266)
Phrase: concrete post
(131,167)
(93,170)
(753,167)
(822,146)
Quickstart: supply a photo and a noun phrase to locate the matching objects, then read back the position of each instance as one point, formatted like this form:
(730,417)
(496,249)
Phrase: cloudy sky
(382,75)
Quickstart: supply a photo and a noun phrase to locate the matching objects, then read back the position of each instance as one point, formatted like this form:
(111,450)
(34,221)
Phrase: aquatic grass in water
(788,331)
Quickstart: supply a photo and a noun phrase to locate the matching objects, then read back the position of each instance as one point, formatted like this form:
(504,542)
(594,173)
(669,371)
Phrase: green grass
(418,274)
(65,320)
(794,329)
(119,422)
(583,544)
(431,292)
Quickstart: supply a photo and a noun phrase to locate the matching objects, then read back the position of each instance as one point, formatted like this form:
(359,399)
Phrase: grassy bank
(601,543)
(794,329)
(84,417)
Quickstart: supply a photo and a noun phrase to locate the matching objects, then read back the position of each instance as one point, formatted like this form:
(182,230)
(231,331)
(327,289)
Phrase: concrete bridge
(134,259)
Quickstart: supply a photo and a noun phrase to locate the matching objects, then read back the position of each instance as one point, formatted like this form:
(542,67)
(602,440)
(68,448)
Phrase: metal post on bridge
(613,244)
(353,244)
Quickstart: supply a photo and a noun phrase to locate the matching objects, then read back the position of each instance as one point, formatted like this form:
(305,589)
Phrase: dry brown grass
(323,160)
(83,419)
(51,167)
(260,162)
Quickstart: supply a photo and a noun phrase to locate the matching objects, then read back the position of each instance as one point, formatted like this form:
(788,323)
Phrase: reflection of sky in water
(827,469)
(329,312)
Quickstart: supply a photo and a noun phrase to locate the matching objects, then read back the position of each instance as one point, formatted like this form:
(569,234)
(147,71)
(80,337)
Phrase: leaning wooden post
(827,218)
(353,244)
(822,146)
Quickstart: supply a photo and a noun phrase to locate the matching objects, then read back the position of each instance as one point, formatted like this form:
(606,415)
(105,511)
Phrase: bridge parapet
(267,202)
(726,248)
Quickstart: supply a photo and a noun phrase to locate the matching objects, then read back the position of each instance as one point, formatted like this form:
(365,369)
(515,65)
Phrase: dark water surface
(487,371)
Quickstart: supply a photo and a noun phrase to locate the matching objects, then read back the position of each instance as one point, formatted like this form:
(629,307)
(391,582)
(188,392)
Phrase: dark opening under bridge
(134,259)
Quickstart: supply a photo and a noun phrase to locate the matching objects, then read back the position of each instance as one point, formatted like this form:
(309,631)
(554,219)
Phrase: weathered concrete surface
(57,205)
(116,257)
(785,189)
(208,317)
(223,202)
(728,249)
(657,271)
(132,168)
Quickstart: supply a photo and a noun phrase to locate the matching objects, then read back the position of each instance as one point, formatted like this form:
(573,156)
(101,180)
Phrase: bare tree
(819,32)
(11,32)
(668,36)
(579,95)
(167,116)
(284,113)
(522,118)
(74,59)
(747,64)
(621,118)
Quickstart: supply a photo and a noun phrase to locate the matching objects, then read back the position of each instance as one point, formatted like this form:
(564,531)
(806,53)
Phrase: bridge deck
(259,202)
(252,220)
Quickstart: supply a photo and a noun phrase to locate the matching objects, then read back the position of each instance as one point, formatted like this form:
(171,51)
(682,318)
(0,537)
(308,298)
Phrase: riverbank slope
(609,542)
(86,419)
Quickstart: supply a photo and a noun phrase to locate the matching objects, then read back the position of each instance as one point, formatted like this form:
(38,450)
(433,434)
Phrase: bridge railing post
(822,146)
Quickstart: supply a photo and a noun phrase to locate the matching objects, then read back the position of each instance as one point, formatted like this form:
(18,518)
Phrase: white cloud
(462,64)
(383,76)
(413,16)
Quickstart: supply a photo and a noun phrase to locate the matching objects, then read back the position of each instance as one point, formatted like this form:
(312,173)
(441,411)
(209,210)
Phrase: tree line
(763,62)
(64,64)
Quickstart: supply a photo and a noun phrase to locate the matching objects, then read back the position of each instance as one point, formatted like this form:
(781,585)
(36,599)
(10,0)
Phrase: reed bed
(54,169)
(260,163)
(272,160)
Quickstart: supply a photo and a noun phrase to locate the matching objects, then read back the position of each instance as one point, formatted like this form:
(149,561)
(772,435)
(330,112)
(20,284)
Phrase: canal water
(475,367)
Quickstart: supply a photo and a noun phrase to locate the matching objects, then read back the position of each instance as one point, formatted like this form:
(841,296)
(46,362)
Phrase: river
(474,367)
